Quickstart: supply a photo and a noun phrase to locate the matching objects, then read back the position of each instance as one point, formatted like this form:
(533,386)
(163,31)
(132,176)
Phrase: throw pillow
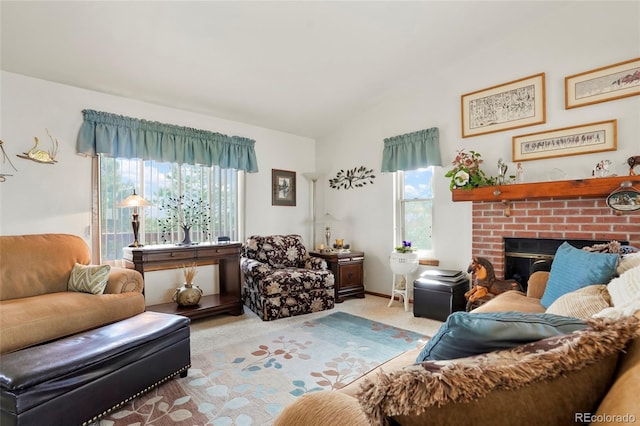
(582,303)
(466,334)
(628,261)
(89,278)
(625,288)
(573,268)
(563,375)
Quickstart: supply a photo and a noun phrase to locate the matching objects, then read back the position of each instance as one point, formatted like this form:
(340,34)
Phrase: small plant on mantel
(466,172)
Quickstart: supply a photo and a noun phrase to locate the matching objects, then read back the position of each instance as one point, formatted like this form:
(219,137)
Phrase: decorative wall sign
(575,140)
(625,199)
(602,84)
(510,105)
(40,156)
(354,178)
(283,184)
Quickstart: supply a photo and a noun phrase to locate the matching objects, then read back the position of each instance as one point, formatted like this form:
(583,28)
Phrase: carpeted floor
(244,371)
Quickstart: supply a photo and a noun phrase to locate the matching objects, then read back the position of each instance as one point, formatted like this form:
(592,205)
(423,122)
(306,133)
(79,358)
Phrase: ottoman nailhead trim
(120,404)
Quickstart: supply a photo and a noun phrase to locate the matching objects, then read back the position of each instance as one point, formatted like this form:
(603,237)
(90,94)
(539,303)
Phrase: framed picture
(510,105)
(624,200)
(575,140)
(602,84)
(283,184)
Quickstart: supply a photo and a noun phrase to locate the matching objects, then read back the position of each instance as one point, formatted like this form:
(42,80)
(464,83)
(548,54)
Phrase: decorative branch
(354,178)
(185,213)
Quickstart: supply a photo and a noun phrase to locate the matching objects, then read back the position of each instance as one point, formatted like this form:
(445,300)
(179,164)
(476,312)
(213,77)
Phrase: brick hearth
(581,218)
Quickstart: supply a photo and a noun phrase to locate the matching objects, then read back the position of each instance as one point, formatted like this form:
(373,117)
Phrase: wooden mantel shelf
(592,187)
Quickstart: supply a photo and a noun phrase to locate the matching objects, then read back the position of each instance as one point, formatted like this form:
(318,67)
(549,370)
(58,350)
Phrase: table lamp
(328,219)
(134,201)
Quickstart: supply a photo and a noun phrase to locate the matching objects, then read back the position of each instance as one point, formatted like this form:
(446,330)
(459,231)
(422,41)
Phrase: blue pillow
(466,334)
(573,269)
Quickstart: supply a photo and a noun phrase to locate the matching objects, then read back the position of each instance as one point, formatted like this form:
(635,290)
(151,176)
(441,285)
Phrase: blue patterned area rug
(251,382)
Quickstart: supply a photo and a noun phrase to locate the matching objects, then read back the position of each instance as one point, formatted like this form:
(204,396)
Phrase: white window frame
(124,215)
(399,229)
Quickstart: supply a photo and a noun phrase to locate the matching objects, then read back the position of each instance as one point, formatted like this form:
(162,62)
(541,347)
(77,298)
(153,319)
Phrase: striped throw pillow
(582,303)
(89,278)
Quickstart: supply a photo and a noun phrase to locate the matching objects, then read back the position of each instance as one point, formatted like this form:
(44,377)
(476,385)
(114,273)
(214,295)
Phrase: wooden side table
(348,272)
(226,256)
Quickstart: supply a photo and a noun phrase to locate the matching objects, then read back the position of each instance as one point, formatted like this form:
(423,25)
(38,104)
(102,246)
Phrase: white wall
(575,37)
(55,198)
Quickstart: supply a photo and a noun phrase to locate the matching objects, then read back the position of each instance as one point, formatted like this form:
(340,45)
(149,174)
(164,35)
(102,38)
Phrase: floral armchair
(282,280)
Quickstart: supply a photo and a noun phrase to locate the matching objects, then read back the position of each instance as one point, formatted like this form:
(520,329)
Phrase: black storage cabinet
(437,293)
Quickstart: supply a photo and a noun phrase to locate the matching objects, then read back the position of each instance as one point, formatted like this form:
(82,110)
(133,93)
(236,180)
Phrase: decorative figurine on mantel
(633,162)
(502,171)
(602,169)
(520,174)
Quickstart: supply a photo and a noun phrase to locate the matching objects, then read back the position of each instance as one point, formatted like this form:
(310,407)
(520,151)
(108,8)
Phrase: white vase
(403,263)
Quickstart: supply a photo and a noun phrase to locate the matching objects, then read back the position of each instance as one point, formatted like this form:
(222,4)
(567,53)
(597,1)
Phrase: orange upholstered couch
(35,304)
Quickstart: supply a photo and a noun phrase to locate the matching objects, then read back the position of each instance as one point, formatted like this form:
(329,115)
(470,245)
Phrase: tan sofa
(35,305)
(608,388)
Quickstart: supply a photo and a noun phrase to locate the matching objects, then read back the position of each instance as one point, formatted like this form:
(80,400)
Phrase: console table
(348,272)
(164,256)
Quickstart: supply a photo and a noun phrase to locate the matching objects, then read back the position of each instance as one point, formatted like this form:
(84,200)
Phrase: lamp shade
(313,176)
(134,200)
(329,218)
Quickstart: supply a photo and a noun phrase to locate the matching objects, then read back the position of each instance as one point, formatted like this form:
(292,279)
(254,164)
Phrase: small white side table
(402,264)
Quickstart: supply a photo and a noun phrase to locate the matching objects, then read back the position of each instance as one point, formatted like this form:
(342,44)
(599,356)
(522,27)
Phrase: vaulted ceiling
(300,67)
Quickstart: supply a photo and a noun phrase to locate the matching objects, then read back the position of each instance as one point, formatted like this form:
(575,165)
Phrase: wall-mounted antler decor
(354,178)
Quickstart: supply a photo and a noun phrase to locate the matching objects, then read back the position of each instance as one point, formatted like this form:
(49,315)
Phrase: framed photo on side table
(283,188)
(602,84)
(510,105)
(575,140)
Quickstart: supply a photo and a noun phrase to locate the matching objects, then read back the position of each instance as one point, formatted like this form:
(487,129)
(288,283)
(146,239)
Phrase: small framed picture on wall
(283,188)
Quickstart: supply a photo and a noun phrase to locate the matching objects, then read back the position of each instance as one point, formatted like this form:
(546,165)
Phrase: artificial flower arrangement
(466,172)
(405,247)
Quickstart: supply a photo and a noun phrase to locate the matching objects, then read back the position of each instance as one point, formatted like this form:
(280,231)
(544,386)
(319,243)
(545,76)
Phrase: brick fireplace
(558,218)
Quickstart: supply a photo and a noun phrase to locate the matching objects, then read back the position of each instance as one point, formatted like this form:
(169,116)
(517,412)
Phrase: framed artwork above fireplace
(574,140)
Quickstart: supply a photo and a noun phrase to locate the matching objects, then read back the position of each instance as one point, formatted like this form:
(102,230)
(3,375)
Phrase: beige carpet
(244,372)
(230,329)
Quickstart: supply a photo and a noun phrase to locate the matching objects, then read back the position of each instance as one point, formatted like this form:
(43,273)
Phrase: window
(414,216)
(119,177)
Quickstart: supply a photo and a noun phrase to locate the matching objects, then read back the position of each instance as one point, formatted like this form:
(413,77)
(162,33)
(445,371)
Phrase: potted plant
(185,213)
(466,172)
(404,260)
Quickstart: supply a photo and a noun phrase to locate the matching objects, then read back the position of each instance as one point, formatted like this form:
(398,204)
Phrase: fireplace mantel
(592,187)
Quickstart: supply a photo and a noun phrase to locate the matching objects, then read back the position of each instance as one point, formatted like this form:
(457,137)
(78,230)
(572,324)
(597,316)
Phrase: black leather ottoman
(80,378)
(437,293)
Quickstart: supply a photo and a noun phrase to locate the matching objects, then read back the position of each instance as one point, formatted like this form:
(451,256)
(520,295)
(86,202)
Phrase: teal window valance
(118,136)
(412,151)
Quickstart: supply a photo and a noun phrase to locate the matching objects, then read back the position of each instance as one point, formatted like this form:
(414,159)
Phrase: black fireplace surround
(524,256)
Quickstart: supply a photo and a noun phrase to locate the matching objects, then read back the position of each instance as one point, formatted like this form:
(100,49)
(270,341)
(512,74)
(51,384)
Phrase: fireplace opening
(524,256)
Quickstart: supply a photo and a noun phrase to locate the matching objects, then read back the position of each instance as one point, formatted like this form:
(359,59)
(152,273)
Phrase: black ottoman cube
(437,293)
(78,379)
